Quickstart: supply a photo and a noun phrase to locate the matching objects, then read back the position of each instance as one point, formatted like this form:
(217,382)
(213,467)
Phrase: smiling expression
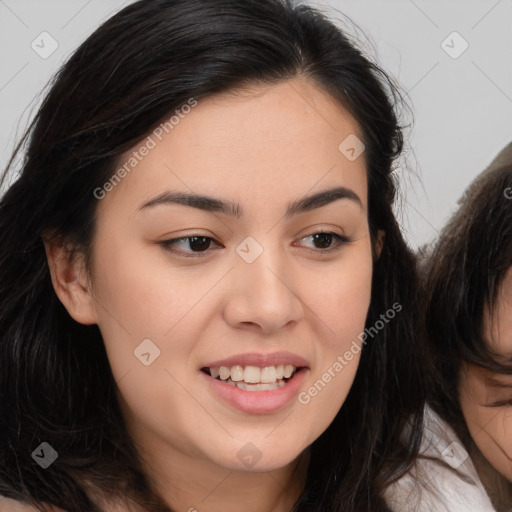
(211,251)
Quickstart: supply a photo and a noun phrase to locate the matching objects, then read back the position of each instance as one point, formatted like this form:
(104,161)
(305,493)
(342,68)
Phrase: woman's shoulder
(8,505)
(443,477)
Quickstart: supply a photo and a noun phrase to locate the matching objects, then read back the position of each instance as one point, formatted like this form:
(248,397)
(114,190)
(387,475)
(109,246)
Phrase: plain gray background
(462,100)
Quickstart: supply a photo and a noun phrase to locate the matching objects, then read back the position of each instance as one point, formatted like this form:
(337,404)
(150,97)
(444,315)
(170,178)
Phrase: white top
(431,485)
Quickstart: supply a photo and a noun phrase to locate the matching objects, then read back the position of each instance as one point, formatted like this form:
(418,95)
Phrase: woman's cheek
(490,428)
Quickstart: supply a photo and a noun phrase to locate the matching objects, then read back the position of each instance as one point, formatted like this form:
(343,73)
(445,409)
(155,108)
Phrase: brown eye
(199,243)
(190,245)
(324,241)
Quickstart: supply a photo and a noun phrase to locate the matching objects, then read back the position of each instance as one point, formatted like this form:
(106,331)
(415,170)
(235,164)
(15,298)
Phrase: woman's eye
(189,244)
(197,245)
(501,403)
(324,241)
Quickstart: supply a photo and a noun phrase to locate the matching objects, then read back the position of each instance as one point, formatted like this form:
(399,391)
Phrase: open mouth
(254,378)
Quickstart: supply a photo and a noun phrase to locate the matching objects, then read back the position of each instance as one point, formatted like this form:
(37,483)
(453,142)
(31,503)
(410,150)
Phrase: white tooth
(252,374)
(237,373)
(248,387)
(268,374)
(259,387)
(288,370)
(224,373)
(214,372)
(268,387)
(279,371)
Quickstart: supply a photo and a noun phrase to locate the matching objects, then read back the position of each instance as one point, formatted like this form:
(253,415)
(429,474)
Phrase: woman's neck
(197,486)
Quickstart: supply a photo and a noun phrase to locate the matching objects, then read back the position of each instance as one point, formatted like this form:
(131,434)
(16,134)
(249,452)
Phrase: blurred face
(232,268)
(486,397)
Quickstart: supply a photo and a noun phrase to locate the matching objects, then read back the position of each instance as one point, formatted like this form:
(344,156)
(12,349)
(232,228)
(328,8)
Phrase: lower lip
(257,402)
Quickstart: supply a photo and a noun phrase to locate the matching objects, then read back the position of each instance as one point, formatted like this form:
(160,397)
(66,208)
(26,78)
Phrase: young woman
(468,316)
(178,329)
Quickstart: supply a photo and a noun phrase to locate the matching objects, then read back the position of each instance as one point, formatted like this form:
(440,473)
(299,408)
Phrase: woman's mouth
(255,389)
(253,378)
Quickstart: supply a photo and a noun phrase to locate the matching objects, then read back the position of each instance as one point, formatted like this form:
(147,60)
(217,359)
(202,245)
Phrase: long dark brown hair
(462,277)
(56,385)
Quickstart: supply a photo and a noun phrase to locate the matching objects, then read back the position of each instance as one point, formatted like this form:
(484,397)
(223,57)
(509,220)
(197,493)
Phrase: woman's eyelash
(204,241)
(169,244)
(501,403)
(341,240)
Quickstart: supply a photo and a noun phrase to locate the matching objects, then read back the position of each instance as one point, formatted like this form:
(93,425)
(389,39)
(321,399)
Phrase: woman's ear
(69,279)
(379,244)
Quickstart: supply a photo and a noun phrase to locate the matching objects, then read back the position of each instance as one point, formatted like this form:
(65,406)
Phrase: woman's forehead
(287,140)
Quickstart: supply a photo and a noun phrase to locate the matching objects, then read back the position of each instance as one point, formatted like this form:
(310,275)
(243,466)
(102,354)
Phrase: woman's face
(486,397)
(253,293)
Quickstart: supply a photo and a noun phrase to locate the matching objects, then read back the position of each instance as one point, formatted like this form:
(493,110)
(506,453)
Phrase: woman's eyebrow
(213,204)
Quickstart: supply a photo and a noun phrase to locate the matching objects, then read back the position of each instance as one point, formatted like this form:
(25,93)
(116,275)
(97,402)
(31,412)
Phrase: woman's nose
(263,292)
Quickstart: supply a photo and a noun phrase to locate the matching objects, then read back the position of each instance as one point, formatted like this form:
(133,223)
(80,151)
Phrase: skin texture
(261,147)
(491,427)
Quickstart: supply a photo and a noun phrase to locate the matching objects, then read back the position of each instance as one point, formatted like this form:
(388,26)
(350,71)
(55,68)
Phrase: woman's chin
(251,458)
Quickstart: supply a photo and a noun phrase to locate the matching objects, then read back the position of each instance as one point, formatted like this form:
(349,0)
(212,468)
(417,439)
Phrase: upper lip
(261,360)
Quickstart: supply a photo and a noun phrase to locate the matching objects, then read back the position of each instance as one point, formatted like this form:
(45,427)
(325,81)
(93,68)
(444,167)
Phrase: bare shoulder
(8,505)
